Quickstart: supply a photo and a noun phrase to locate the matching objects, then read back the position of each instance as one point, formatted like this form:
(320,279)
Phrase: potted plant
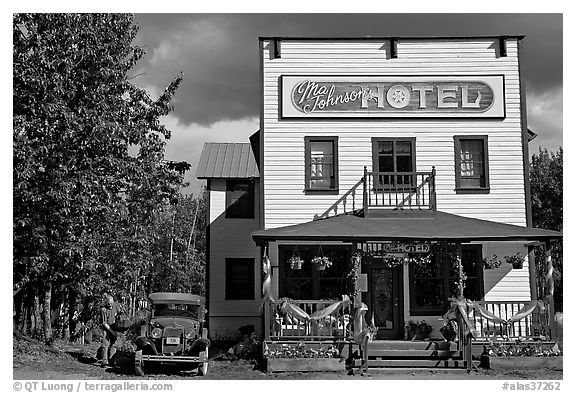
(418,330)
(516,260)
(295,262)
(449,330)
(321,263)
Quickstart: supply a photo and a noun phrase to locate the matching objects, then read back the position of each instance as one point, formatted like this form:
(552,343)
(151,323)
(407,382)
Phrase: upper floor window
(321,162)
(239,199)
(471,154)
(395,161)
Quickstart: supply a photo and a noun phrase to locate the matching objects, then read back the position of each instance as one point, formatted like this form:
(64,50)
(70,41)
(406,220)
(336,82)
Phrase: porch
(327,329)
(404,259)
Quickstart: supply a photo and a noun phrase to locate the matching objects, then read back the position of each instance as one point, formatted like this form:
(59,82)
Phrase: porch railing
(279,325)
(535,325)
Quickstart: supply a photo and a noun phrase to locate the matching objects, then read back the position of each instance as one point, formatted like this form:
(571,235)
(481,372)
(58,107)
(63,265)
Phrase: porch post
(532,271)
(550,286)
(266,272)
(356,263)
(460,270)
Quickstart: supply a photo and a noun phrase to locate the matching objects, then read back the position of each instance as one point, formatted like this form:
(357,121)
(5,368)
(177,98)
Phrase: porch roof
(404,226)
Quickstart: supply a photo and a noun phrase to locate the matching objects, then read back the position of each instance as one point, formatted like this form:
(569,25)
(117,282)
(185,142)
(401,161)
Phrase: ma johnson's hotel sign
(407,96)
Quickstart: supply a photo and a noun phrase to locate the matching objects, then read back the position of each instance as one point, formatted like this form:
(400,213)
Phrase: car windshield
(176,310)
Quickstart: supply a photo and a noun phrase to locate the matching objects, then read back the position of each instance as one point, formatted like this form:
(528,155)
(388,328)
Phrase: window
(239,279)
(321,162)
(471,154)
(239,199)
(309,283)
(432,284)
(395,160)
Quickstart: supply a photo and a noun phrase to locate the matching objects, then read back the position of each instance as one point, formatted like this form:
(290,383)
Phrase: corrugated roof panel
(229,164)
(219,164)
(203,164)
(236,158)
(227,160)
(212,154)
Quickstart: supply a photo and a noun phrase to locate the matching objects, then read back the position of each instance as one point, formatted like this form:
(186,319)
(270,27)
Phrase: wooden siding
(285,200)
(231,238)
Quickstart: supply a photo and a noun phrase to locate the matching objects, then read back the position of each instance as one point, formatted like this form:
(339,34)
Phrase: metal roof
(227,160)
(176,297)
(404,226)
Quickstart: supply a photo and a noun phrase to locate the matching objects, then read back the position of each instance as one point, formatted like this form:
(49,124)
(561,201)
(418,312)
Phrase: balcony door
(395,161)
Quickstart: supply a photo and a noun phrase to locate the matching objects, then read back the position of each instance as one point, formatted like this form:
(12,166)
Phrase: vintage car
(175,334)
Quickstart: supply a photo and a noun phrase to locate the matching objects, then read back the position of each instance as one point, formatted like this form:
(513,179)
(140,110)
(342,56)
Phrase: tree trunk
(47,314)
(35,328)
(71,311)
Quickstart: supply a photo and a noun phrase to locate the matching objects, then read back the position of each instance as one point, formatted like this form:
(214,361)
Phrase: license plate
(172,340)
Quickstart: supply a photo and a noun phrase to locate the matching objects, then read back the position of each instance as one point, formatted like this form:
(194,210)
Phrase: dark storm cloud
(218,53)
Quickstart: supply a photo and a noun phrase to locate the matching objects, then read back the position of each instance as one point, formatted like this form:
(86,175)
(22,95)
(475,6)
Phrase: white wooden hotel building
(386,148)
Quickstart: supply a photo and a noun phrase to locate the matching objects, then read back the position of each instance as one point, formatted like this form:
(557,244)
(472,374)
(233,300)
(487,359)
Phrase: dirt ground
(33,361)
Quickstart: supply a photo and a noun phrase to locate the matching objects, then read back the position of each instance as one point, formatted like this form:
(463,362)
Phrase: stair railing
(343,203)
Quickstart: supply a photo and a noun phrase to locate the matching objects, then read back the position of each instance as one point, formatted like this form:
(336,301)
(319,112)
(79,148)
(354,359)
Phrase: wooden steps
(381,354)
(411,354)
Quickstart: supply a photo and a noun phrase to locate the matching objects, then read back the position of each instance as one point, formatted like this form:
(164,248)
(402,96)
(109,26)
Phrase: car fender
(144,343)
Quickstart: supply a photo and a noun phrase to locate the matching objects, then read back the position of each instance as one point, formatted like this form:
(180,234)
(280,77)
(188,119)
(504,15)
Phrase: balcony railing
(281,324)
(535,325)
(401,190)
(388,190)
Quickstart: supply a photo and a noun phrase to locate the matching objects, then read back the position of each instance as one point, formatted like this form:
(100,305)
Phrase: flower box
(305,364)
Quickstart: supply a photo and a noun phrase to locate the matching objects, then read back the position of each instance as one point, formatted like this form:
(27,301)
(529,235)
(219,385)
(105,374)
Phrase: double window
(239,279)
(471,159)
(309,283)
(431,284)
(239,199)
(321,163)
(395,161)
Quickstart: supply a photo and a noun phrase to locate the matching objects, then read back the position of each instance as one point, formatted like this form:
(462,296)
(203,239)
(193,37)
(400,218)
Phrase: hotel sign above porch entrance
(379,248)
(392,96)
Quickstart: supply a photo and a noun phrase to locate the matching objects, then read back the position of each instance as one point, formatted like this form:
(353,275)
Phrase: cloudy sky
(218,54)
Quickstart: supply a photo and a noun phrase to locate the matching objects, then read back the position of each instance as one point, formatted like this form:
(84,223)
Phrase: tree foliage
(546,188)
(91,186)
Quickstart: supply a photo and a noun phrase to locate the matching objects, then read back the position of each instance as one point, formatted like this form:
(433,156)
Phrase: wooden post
(532,271)
(550,286)
(266,319)
(460,270)
(433,189)
(356,267)
(365,191)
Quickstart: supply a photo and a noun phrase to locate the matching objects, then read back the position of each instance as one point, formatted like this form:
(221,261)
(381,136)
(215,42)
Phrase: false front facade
(390,175)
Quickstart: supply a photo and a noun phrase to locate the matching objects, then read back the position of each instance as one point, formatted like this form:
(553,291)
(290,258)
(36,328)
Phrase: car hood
(186,323)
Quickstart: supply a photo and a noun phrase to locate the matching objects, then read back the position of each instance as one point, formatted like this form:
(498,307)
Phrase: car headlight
(189,334)
(156,333)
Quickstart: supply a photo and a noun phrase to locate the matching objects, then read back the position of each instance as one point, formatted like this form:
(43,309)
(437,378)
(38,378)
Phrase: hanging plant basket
(492,262)
(295,263)
(516,260)
(322,263)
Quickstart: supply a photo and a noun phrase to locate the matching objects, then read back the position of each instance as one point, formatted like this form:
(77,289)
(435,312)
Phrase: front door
(385,301)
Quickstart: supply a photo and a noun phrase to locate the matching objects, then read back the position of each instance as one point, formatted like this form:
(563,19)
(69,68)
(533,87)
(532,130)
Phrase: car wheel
(138,364)
(203,369)
(138,369)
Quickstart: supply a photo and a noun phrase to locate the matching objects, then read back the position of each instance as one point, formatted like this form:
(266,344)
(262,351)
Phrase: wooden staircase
(410,354)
